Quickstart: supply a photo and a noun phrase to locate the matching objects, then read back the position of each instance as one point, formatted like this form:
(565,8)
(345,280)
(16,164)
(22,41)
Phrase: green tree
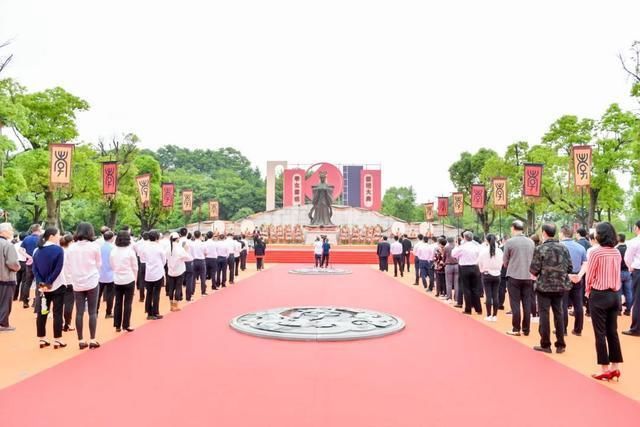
(400,202)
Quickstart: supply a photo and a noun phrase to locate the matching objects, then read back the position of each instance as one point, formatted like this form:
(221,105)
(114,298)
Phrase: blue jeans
(626,289)
(425,266)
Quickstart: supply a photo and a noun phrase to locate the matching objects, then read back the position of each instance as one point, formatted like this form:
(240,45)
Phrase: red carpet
(192,369)
(304,255)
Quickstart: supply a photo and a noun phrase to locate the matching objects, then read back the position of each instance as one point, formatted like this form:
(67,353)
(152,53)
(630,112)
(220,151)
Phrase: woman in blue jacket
(48,260)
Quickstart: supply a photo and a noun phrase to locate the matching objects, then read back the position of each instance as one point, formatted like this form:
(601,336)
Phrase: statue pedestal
(311,232)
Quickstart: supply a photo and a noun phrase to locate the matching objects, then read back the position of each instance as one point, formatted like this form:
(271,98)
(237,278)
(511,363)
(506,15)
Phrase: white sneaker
(494,318)
(535,319)
(449,301)
(488,318)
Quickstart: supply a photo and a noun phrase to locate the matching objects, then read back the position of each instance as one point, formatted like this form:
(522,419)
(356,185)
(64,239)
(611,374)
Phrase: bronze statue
(321,212)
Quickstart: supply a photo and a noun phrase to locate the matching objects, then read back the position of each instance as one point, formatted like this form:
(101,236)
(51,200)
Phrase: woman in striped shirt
(602,285)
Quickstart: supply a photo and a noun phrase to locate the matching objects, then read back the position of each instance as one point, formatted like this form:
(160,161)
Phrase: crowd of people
(85,272)
(595,274)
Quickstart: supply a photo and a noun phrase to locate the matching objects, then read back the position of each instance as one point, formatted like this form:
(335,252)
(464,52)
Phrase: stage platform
(303,254)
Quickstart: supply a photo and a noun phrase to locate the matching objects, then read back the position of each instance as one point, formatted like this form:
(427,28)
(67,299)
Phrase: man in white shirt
(470,281)
(231,258)
(317,252)
(397,254)
(416,260)
(189,280)
(632,259)
(211,246)
(156,258)
(197,251)
(223,262)
(424,252)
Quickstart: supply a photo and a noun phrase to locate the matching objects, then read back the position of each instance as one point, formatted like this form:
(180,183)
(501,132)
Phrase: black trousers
(383,262)
(231,264)
(20,276)
(604,317)
(243,260)
(142,268)
(152,303)
(189,285)
(221,272)
(441,284)
(502,291)
(69,302)
(211,268)
(237,262)
(259,263)
(318,260)
(90,299)
(491,292)
(324,262)
(576,296)
(174,287)
(122,309)
(407,261)
(551,300)
(397,264)
(520,294)
(25,287)
(6,296)
(471,287)
(57,299)
(200,273)
(635,310)
(106,290)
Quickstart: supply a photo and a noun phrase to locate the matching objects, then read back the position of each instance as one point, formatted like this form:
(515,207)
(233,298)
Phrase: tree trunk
(593,203)
(52,208)
(37,213)
(111,219)
(531,219)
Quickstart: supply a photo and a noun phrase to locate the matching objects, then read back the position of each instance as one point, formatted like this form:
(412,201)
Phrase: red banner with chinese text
(443,206)
(109,178)
(477,196)
(168,190)
(532,182)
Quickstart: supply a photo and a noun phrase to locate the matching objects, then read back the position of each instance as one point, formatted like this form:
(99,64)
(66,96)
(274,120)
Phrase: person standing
(317,252)
(106,274)
(222,250)
(551,265)
(490,264)
(632,259)
(244,252)
(154,275)
(396,253)
(575,295)
(185,242)
(518,253)
(451,274)
(406,252)
(211,262)
(125,271)
(48,262)
(467,255)
(582,238)
(326,249)
(237,250)
(176,263)
(84,264)
(416,260)
(259,250)
(29,244)
(139,247)
(69,297)
(198,252)
(423,252)
(438,268)
(231,257)
(9,265)
(21,275)
(602,286)
(383,250)
(626,284)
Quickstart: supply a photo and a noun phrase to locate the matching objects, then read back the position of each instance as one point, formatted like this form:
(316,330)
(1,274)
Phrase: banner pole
(582,212)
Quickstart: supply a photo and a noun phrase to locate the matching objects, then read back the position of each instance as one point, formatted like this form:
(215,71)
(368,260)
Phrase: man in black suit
(406,252)
(384,250)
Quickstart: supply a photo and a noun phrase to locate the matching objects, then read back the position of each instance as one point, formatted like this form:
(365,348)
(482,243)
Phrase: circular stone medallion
(318,323)
(311,271)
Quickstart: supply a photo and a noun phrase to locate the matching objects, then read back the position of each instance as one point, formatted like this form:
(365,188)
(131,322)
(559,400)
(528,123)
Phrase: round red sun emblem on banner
(334,178)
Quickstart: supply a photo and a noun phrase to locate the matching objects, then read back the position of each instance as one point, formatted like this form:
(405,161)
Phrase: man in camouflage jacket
(551,266)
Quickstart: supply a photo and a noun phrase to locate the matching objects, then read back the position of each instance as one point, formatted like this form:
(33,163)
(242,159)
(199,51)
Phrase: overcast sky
(407,84)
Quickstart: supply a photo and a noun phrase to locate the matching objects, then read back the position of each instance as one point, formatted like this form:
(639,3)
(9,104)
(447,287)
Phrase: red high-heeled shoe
(615,374)
(603,376)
